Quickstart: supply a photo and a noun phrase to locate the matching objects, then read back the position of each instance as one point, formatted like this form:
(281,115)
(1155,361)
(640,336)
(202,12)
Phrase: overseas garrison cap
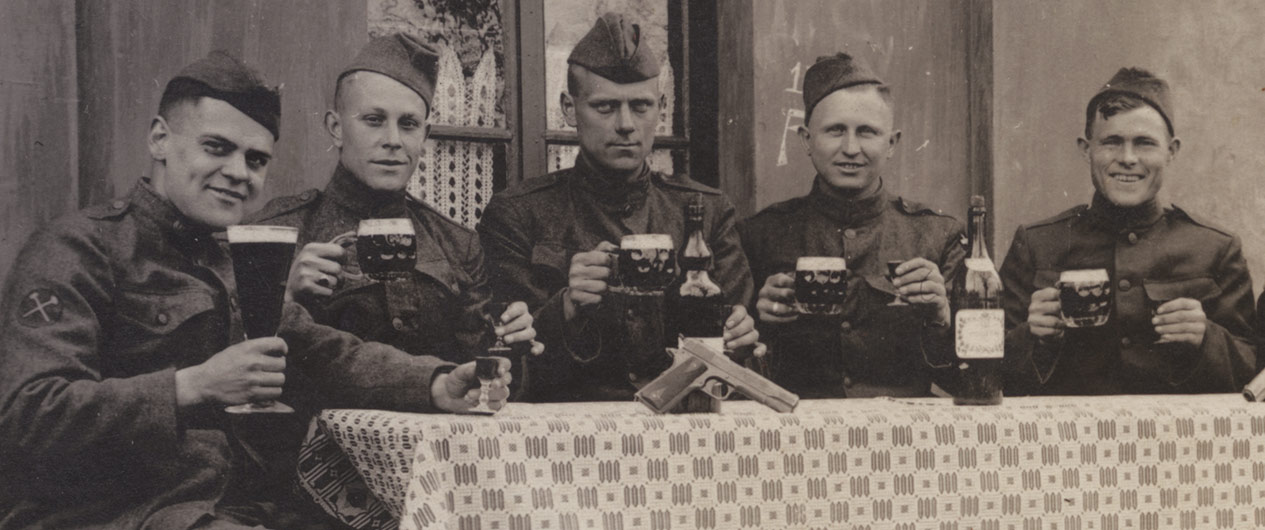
(224,77)
(402,58)
(613,49)
(835,72)
(1140,84)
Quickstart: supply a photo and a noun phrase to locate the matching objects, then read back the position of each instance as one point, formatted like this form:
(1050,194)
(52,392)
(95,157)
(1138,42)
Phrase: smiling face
(1128,153)
(379,127)
(615,122)
(850,138)
(209,160)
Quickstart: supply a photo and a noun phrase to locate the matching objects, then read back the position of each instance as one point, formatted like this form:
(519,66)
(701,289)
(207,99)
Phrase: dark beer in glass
(386,248)
(820,285)
(1084,297)
(261,257)
(646,264)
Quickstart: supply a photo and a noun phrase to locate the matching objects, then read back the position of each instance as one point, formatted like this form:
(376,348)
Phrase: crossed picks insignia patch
(39,308)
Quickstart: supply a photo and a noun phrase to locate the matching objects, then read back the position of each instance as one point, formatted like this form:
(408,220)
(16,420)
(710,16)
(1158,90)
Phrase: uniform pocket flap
(551,255)
(162,313)
(441,271)
(1201,288)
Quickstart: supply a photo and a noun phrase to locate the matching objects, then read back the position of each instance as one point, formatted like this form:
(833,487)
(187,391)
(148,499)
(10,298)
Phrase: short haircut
(347,78)
(1110,106)
(180,91)
(883,90)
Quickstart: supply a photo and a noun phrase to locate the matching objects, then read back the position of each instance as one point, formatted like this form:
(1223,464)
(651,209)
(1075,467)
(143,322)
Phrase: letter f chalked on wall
(39,308)
(793,116)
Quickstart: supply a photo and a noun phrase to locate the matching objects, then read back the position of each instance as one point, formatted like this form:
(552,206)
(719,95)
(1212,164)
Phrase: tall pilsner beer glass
(261,265)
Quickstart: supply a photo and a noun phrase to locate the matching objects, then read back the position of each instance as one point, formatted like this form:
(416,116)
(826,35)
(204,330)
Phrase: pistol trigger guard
(718,389)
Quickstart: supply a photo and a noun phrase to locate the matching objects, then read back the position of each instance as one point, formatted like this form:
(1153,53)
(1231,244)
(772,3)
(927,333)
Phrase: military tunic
(1150,253)
(439,312)
(102,307)
(872,349)
(531,232)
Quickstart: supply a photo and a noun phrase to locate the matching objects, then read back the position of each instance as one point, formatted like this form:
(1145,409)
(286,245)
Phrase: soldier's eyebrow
(224,142)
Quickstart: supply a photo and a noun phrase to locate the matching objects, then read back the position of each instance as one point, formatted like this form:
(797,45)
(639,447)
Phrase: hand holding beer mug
(1084,297)
(645,265)
(386,249)
(261,263)
(821,284)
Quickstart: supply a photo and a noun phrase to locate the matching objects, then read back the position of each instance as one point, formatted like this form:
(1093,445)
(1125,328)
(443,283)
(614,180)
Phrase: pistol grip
(665,391)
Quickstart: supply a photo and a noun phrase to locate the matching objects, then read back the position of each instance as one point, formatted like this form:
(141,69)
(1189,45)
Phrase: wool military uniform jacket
(102,308)
(531,232)
(1154,253)
(437,312)
(872,349)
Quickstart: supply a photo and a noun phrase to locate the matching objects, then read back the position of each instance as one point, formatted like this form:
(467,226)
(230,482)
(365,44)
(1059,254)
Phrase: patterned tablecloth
(1126,462)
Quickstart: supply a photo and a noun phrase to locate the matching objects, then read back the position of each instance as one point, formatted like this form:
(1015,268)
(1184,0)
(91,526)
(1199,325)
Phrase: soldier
(547,238)
(1182,295)
(122,341)
(873,348)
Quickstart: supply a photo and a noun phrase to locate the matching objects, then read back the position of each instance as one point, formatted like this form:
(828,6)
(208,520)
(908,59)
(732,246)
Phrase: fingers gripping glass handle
(348,240)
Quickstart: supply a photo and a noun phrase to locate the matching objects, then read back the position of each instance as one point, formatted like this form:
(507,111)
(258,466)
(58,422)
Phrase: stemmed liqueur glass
(891,276)
(487,366)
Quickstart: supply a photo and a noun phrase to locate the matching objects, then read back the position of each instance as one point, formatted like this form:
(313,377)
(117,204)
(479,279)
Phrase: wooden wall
(38,137)
(1051,57)
(919,48)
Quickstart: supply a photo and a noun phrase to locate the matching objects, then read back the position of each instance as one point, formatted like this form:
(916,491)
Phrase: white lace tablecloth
(1124,462)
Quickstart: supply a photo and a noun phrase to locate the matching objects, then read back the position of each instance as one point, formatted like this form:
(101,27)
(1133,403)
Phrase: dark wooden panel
(128,51)
(979,116)
(735,116)
(37,125)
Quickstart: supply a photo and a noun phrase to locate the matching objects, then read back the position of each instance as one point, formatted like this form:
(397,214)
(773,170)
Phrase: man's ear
(159,138)
(1083,144)
(1174,146)
(891,143)
(334,126)
(567,103)
(806,137)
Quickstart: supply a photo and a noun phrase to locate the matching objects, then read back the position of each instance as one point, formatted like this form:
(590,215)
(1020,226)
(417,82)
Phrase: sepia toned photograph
(632,264)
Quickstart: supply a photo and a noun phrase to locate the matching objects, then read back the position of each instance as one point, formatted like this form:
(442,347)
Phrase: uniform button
(847,381)
(118,205)
(849,233)
(846,326)
(632,377)
(397,323)
(1133,238)
(1125,285)
(162,319)
(306,195)
(177,225)
(631,313)
(1125,342)
(232,302)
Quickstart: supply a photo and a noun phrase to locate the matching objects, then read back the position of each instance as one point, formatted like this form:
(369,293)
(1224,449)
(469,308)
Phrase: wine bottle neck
(979,238)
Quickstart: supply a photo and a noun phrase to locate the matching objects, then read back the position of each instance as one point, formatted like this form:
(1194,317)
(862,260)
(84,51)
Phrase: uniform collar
(1105,214)
(364,202)
(165,218)
(850,212)
(613,193)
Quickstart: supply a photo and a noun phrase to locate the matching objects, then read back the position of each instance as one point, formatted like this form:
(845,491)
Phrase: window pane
(663,160)
(567,21)
(457,178)
(470,91)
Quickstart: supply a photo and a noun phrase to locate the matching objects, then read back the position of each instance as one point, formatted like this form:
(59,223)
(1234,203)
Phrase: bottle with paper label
(701,310)
(980,323)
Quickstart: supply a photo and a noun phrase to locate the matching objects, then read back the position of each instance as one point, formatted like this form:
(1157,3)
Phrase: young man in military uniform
(381,103)
(1181,292)
(873,349)
(122,341)
(548,238)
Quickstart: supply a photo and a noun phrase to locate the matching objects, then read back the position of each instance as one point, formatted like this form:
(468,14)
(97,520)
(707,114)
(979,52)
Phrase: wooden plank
(38,152)
(701,116)
(531,85)
(736,129)
(513,96)
(979,115)
(473,134)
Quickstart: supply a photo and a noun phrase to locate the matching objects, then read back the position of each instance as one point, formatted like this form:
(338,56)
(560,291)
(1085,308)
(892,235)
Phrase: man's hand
(588,275)
(248,371)
(458,390)
(316,271)
(1181,320)
(919,282)
(740,332)
(518,327)
(1045,319)
(777,299)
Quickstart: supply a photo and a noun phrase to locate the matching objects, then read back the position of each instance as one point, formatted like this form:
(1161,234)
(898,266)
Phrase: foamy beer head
(646,263)
(1085,297)
(386,248)
(820,285)
(261,263)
